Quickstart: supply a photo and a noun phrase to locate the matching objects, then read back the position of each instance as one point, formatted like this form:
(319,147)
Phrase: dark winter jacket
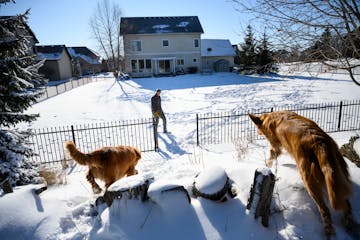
(156,104)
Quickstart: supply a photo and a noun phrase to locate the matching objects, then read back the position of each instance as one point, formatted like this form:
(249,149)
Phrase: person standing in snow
(157,110)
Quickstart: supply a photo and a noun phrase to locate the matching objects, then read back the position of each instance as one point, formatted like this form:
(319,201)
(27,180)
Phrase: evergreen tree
(264,57)
(20,86)
(324,47)
(247,53)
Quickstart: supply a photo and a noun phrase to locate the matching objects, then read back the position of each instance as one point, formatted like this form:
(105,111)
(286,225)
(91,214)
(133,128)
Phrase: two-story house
(161,45)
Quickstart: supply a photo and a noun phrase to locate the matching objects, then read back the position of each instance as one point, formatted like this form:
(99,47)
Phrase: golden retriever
(317,157)
(107,163)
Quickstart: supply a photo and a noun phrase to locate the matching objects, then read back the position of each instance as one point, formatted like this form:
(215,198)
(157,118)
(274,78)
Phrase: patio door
(164,66)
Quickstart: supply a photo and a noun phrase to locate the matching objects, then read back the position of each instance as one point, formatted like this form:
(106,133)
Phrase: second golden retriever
(317,157)
(107,163)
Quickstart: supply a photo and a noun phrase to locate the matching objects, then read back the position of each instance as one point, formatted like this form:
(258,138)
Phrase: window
(134,66)
(148,63)
(180,62)
(165,43)
(196,43)
(194,60)
(141,65)
(136,46)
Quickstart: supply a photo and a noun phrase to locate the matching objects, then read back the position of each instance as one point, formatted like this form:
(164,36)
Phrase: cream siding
(181,46)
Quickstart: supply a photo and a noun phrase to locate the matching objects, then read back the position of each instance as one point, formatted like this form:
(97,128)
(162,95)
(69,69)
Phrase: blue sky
(67,21)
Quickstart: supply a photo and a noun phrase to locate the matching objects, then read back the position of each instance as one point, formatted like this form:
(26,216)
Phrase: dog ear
(255,119)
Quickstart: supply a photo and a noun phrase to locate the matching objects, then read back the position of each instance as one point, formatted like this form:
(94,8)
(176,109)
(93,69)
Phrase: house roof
(50,52)
(26,26)
(216,48)
(85,53)
(158,25)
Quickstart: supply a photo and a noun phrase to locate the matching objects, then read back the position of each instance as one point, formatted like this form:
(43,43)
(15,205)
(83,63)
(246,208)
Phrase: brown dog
(317,157)
(108,163)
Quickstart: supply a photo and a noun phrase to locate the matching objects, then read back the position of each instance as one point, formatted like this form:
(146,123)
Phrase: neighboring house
(85,60)
(217,55)
(57,64)
(161,45)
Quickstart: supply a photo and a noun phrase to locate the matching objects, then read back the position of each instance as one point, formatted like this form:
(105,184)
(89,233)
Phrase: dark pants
(162,116)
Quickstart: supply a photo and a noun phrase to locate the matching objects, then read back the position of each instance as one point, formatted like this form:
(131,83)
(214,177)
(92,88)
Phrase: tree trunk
(6,186)
(135,191)
(261,194)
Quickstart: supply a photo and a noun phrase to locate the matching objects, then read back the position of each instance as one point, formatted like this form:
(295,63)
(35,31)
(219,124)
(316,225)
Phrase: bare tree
(306,22)
(105,26)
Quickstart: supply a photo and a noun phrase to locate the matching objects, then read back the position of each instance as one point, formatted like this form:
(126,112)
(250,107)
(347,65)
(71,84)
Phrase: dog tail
(336,174)
(75,154)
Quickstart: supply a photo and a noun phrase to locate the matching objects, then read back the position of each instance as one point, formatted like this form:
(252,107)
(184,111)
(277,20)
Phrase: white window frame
(135,45)
(162,43)
(196,43)
(180,62)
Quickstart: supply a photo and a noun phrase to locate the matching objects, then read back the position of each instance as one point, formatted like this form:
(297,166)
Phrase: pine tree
(247,53)
(264,57)
(20,86)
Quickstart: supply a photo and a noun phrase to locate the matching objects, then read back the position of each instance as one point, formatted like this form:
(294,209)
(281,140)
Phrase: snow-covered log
(213,183)
(261,194)
(351,150)
(168,193)
(132,187)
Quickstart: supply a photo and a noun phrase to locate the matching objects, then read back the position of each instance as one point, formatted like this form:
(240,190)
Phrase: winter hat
(158,90)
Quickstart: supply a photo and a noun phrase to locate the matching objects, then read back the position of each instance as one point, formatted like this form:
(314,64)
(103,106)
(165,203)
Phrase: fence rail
(54,89)
(48,143)
(224,127)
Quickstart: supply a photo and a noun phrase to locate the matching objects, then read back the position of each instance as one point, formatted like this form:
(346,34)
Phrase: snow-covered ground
(66,212)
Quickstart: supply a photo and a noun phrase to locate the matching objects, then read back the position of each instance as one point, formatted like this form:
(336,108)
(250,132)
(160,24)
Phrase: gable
(216,48)
(85,53)
(159,25)
(51,52)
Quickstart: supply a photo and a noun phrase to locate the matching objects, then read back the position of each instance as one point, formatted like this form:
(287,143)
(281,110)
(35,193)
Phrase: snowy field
(65,211)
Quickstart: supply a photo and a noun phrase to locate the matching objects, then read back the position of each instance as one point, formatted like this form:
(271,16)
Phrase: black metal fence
(216,128)
(48,143)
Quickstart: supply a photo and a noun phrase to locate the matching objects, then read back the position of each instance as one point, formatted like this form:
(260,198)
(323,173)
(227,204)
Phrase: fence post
(197,130)
(73,134)
(155,135)
(340,113)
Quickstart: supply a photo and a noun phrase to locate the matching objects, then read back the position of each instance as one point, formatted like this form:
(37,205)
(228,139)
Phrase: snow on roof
(50,52)
(216,48)
(85,53)
(156,25)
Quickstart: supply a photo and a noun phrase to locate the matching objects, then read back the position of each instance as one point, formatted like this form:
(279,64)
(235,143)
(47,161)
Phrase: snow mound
(167,194)
(212,183)
(126,183)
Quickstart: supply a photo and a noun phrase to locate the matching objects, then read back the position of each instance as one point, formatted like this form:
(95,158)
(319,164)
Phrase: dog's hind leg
(95,187)
(314,183)
(348,219)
